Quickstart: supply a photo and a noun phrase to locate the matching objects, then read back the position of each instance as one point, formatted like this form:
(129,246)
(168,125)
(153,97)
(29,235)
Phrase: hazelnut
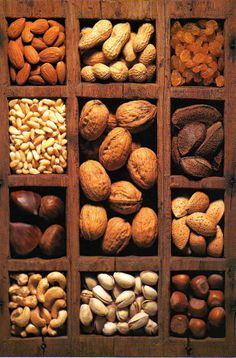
(216,316)
(200,286)
(178,301)
(180,281)
(52,207)
(215,298)
(197,327)
(216,281)
(179,324)
(197,307)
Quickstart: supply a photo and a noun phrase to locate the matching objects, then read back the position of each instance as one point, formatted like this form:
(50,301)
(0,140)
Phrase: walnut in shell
(94,180)
(117,236)
(93,221)
(93,119)
(142,167)
(115,148)
(136,116)
(125,198)
(144,227)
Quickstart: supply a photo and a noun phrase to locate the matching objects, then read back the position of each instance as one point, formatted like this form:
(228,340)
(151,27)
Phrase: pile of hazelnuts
(197,305)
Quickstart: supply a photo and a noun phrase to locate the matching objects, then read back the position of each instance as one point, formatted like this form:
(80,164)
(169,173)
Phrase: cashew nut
(36,319)
(33,282)
(15,330)
(44,330)
(20,316)
(30,301)
(57,277)
(12,305)
(21,279)
(60,320)
(41,289)
(31,329)
(44,313)
(23,334)
(53,294)
(57,305)
(22,291)
(52,332)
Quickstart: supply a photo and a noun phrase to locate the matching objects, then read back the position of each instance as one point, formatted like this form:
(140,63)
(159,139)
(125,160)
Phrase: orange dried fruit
(213,24)
(215,48)
(177,64)
(198,58)
(188,37)
(213,65)
(176,27)
(176,78)
(178,49)
(209,30)
(207,73)
(185,55)
(208,81)
(188,75)
(199,68)
(220,81)
(189,64)
(180,35)
(204,49)
(174,41)
(220,38)
(202,23)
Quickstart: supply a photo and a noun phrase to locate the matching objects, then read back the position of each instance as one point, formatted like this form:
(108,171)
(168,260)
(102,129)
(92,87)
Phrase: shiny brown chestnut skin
(52,242)
(26,201)
(52,207)
(180,282)
(215,298)
(197,308)
(216,316)
(200,286)
(216,281)
(24,238)
(178,301)
(179,324)
(197,327)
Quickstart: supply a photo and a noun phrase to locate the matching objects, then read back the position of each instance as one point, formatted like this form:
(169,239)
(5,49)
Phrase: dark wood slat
(60,180)
(137,263)
(96,263)
(37,264)
(35,91)
(38,9)
(192,263)
(180,181)
(202,92)
(199,9)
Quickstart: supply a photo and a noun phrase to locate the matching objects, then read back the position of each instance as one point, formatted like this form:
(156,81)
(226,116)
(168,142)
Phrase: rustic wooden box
(161,12)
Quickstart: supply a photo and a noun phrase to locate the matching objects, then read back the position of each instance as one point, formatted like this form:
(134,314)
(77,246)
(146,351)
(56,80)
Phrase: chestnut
(197,308)
(52,242)
(52,207)
(180,281)
(179,324)
(200,286)
(27,201)
(178,301)
(24,238)
(216,316)
(215,298)
(216,281)
(197,327)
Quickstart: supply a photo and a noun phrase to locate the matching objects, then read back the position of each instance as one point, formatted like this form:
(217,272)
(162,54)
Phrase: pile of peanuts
(37,136)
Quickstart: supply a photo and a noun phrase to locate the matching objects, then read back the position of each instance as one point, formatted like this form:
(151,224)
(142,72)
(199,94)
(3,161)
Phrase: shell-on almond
(179,206)
(216,210)
(198,202)
(180,233)
(197,244)
(202,224)
(216,244)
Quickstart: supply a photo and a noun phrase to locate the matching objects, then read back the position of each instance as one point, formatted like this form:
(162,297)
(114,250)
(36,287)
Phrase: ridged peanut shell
(115,149)
(114,44)
(143,36)
(94,181)
(119,71)
(216,210)
(93,120)
(145,227)
(99,33)
(124,198)
(180,233)
(198,202)
(148,55)
(117,236)
(142,167)
(202,224)
(92,57)
(138,73)
(179,206)
(93,221)
(216,244)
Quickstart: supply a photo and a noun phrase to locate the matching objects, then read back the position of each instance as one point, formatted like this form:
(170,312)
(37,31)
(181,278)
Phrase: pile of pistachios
(120,303)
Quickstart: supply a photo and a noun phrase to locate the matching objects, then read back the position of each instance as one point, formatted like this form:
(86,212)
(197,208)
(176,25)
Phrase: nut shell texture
(125,198)
(93,221)
(144,227)
(117,236)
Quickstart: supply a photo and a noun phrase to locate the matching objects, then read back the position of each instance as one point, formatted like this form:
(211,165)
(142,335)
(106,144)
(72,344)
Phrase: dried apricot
(220,38)
(188,75)
(188,37)
(213,24)
(174,41)
(213,65)
(180,35)
(176,78)
(215,48)
(207,73)
(185,55)
(193,47)
(189,64)
(176,27)
(220,81)
(208,81)
(198,58)
(178,49)
(209,30)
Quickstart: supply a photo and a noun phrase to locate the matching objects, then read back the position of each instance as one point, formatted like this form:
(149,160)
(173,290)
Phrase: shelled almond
(37,136)
(197,144)
(197,53)
(117,53)
(195,228)
(197,305)
(110,148)
(36,52)
(120,303)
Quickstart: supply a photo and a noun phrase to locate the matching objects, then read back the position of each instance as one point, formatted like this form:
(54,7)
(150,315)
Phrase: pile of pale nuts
(118,53)
(115,151)
(37,136)
(120,303)
(38,304)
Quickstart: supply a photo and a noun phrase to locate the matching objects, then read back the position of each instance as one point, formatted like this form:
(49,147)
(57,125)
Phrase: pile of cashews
(37,304)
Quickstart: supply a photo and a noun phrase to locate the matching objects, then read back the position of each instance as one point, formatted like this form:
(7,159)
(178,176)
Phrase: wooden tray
(161,12)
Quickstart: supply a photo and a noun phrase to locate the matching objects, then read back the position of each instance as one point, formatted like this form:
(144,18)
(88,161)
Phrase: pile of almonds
(120,303)
(37,304)
(36,52)
(197,143)
(198,53)
(45,212)
(197,305)
(37,136)
(118,53)
(195,229)
(114,151)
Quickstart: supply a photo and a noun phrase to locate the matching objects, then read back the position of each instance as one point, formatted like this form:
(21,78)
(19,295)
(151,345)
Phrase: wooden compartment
(161,13)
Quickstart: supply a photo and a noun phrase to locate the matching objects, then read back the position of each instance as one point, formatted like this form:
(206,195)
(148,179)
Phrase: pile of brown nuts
(120,303)
(114,151)
(197,305)
(45,237)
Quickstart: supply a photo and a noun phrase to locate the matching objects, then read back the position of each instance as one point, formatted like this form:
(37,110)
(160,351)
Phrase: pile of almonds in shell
(113,151)
(117,53)
(197,305)
(197,143)
(120,303)
(36,52)
(195,227)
